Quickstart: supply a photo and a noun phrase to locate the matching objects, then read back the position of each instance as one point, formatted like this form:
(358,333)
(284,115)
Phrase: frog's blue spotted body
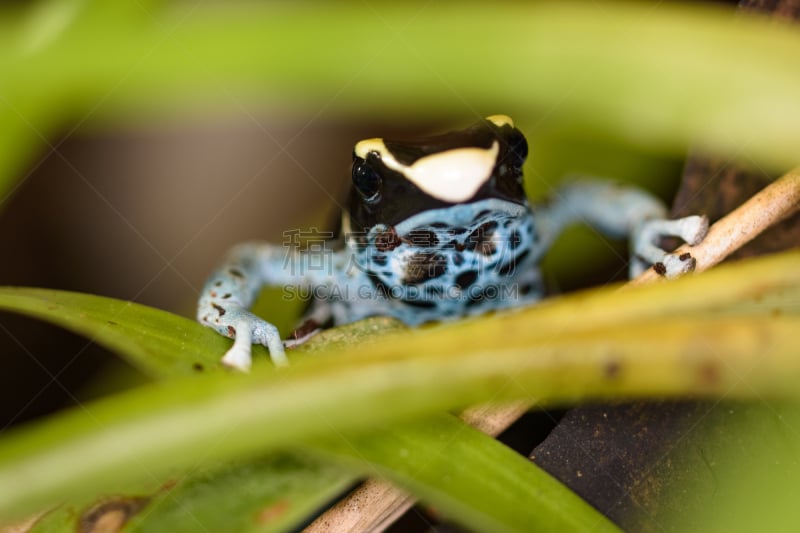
(447,263)
(436,229)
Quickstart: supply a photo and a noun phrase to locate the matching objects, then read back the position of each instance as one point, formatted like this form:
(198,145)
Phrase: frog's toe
(692,229)
(267,334)
(238,358)
(675,265)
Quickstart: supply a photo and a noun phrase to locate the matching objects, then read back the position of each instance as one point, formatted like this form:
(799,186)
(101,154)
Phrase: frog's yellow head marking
(500,120)
(393,180)
(451,176)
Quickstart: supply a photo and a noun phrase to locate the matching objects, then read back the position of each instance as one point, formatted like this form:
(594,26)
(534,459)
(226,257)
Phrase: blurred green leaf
(282,488)
(165,345)
(655,75)
(268,494)
(159,343)
(275,493)
(542,354)
(658,76)
(469,477)
(738,471)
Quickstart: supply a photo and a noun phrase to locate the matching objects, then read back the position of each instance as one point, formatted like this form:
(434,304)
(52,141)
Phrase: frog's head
(395,180)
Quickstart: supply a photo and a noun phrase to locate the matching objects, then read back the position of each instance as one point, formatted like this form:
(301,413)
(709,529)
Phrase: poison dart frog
(436,229)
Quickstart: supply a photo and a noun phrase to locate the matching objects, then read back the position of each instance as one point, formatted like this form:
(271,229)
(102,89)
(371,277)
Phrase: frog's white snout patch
(452,176)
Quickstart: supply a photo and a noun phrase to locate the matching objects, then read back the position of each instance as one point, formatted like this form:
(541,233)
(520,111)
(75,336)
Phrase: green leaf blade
(220,417)
(158,342)
(470,477)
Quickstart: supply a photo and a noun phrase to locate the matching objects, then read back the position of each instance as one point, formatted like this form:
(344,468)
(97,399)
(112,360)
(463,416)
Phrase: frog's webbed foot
(645,251)
(246,329)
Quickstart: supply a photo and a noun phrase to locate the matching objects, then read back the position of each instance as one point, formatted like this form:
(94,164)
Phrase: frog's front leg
(623,211)
(230,291)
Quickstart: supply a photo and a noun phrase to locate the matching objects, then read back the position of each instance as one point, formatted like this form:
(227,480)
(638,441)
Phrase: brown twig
(376,504)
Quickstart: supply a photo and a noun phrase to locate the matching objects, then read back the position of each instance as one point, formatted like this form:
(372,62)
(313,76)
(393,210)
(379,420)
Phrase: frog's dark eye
(518,147)
(366,181)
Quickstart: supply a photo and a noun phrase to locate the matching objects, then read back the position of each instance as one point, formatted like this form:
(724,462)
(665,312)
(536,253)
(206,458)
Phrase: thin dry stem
(376,504)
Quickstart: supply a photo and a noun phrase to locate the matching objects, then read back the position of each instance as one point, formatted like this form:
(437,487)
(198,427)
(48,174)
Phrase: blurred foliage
(539,353)
(640,82)
(739,472)
(660,77)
